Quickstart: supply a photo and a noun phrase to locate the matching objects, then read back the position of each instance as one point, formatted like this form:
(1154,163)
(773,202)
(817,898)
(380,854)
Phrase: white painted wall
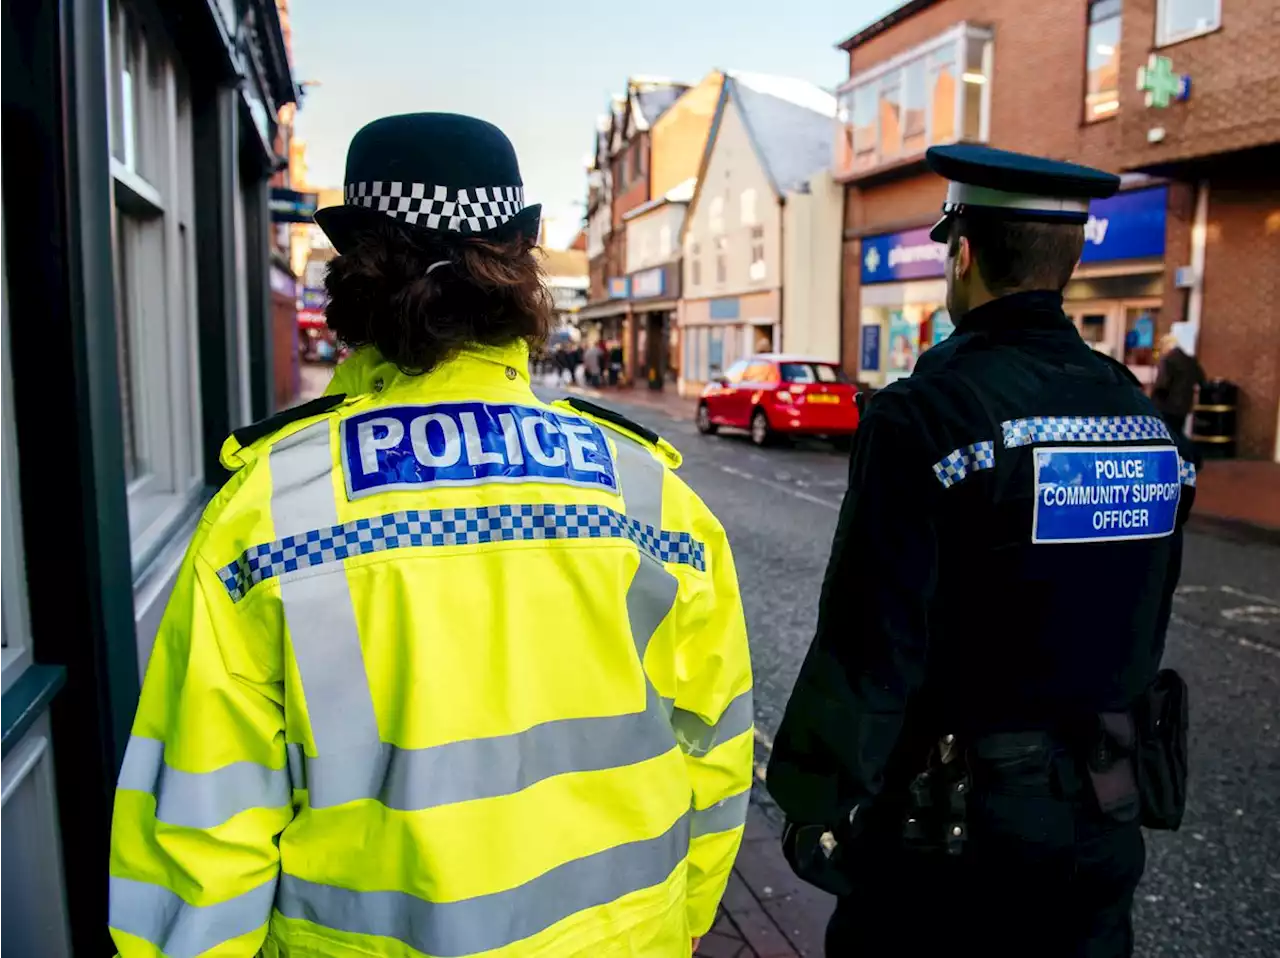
(813,223)
(718,210)
(653,237)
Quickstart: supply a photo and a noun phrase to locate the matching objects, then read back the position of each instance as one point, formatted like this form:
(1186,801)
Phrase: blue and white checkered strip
(1186,472)
(1024,432)
(454,527)
(954,466)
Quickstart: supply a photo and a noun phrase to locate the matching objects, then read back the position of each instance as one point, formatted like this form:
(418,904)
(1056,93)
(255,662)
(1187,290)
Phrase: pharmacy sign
(1161,85)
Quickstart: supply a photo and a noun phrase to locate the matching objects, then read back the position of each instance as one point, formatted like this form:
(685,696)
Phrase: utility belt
(1129,766)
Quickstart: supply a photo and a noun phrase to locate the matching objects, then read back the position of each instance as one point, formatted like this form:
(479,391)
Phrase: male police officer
(998,591)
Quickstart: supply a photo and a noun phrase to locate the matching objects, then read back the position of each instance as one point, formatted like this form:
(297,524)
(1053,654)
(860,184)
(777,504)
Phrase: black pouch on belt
(1110,761)
(1161,719)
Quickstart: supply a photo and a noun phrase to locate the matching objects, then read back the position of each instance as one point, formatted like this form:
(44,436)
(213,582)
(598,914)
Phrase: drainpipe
(1199,229)
(782,275)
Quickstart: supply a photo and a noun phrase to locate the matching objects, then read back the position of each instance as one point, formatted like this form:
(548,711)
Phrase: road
(1212,888)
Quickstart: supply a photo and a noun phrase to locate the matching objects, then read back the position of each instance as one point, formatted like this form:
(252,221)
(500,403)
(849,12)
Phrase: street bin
(1213,420)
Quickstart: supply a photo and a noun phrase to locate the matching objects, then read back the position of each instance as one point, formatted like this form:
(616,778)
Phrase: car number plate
(821,398)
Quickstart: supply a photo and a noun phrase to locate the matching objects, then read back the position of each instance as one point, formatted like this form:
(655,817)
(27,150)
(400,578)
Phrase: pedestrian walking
(591,361)
(1177,380)
(972,742)
(448,670)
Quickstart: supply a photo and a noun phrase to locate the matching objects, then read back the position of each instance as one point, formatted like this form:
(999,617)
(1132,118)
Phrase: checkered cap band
(471,210)
(1024,432)
(453,527)
(964,461)
(1186,472)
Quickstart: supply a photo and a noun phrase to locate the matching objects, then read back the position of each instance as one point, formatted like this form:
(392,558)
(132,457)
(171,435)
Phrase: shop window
(1178,19)
(1102,61)
(1140,335)
(722,256)
(757,253)
(936,93)
(152,173)
(715,351)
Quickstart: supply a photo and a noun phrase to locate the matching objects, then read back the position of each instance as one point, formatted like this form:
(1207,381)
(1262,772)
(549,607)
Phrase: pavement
(1212,888)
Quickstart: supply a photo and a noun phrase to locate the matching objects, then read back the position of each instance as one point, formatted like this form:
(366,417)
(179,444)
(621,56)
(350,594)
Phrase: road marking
(796,493)
(1241,594)
(1252,614)
(1224,634)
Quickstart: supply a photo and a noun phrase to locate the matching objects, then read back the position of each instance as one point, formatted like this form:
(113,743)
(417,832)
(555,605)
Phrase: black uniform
(941,615)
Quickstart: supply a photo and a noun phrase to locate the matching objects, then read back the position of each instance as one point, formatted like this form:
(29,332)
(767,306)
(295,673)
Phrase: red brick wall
(898,203)
(1038,81)
(1240,324)
(1235,85)
(635,192)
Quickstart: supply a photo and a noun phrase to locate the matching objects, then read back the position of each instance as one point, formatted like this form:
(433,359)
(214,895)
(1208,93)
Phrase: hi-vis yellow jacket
(447,671)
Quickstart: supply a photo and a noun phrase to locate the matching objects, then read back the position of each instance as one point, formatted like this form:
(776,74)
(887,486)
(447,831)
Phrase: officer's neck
(1020,307)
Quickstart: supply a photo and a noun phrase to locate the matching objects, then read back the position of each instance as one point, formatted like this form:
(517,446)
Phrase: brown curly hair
(488,294)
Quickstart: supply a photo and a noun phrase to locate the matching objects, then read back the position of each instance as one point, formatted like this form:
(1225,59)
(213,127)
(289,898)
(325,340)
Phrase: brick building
(618,181)
(1194,235)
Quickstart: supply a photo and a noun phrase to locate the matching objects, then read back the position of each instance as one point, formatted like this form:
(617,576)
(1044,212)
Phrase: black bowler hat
(1014,186)
(437,175)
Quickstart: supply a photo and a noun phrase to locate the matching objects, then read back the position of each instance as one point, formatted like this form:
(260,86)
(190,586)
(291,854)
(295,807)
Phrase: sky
(542,71)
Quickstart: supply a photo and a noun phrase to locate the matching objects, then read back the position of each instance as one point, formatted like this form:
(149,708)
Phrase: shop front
(655,294)
(717,332)
(903,304)
(1113,297)
(610,321)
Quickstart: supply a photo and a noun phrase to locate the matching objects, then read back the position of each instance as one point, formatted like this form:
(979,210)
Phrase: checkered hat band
(453,527)
(1025,432)
(964,462)
(471,210)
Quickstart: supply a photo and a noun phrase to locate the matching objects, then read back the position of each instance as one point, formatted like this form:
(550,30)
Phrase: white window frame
(154,255)
(955,38)
(15,616)
(747,207)
(757,271)
(1165,39)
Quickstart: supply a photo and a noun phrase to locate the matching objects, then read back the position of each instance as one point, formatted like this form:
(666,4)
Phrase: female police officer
(448,670)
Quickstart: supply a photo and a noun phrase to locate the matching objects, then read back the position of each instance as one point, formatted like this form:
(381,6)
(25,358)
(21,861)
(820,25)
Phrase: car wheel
(761,434)
(703,420)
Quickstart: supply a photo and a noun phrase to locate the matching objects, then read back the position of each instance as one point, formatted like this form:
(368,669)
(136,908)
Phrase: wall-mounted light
(973,77)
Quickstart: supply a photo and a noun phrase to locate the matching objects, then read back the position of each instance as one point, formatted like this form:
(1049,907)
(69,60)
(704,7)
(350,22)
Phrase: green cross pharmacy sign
(1161,85)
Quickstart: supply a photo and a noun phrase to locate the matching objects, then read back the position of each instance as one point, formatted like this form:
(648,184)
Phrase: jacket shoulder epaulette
(615,418)
(248,435)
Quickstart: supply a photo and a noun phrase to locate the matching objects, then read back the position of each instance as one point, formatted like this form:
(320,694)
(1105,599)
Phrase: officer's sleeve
(204,790)
(713,718)
(868,655)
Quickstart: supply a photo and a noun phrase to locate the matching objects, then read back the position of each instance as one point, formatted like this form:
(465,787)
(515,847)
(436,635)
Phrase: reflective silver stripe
(456,928)
(413,779)
(200,799)
(181,930)
(318,609)
(725,815)
(697,738)
(652,593)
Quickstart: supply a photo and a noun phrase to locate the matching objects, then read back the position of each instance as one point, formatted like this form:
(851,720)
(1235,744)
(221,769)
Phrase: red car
(771,395)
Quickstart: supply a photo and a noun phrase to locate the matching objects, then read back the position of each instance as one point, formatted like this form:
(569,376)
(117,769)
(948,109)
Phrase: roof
(563,262)
(791,124)
(649,104)
(680,193)
(895,16)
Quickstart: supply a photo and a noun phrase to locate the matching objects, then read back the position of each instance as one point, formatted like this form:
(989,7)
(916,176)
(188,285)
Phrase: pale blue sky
(542,71)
